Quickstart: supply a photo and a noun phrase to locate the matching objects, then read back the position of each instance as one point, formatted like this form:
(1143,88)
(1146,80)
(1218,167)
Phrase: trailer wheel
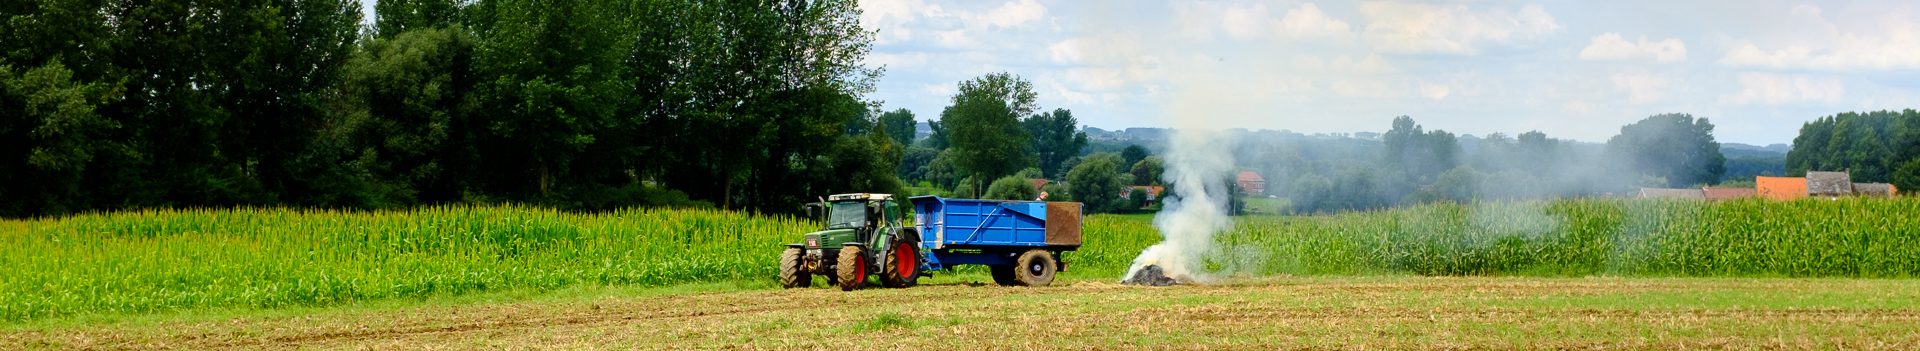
(1036,268)
(792,275)
(901,266)
(852,268)
(1003,275)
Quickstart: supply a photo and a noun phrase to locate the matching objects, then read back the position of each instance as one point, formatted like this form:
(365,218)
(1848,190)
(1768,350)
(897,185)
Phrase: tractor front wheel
(1036,268)
(792,274)
(852,268)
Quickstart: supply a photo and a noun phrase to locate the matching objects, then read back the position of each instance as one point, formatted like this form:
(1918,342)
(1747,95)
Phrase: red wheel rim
(903,260)
(860,271)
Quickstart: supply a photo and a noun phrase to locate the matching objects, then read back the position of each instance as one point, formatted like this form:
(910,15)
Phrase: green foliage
(1055,139)
(1420,154)
(1570,237)
(1147,171)
(1461,184)
(400,16)
(1872,146)
(1675,147)
(965,189)
(1011,188)
(744,104)
(167,260)
(1133,153)
(1057,191)
(1096,182)
(984,125)
(153,261)
(51,119)
(900,126)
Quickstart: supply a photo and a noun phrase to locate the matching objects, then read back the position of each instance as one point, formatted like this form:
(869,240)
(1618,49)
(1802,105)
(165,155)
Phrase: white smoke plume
(1198,164)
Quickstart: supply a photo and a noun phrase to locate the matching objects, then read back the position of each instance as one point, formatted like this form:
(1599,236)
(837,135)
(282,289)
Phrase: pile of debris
(1151,275)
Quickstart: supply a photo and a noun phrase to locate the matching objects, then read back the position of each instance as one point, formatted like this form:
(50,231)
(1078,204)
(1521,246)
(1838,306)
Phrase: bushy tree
(1011,188)
(1147,171)
(1676,147)
(984,126)
(1133,153)
(1055,139)
(900,126)
(1097,182)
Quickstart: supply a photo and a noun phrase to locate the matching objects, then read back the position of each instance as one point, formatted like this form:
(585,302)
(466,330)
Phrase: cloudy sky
(1578,70)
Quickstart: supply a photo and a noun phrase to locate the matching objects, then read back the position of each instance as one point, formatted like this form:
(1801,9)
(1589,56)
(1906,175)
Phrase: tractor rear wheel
(852,268)
(1036,268)
(1003,275)
(792,275)
(901,266)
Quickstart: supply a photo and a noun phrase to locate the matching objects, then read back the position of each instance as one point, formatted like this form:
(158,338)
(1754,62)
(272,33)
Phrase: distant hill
(1738,149)
(1746,161)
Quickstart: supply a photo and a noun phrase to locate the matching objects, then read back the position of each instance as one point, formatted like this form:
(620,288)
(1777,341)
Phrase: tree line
(108,104)
(1878,146)
(1410,164)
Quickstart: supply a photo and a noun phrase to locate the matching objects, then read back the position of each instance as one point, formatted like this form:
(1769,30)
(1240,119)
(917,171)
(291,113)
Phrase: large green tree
(1676,147)
(1097,182)
(983,125)
(1055,138)
(900,126)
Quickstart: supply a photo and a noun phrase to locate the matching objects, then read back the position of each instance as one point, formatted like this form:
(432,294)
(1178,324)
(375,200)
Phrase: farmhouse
(1251,183)
(1823,184)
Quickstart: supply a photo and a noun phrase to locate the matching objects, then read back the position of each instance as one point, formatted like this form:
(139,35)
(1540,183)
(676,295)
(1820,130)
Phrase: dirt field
(1288,313)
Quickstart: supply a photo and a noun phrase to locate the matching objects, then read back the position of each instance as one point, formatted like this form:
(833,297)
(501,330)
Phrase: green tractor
(863,234)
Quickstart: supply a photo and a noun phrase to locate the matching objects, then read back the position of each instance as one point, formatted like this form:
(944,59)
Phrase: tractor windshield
(850,214)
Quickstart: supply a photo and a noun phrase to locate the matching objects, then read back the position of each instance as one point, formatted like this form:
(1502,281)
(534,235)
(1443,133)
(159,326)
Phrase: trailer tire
(852,268)
(1036,268)
(1003,275)
(792,275)
(900,268)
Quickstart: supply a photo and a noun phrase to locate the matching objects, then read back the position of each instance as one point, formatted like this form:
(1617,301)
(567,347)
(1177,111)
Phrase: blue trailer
(1021,242)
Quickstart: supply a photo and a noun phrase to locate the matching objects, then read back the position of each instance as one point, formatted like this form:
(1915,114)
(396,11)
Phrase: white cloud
(892,18)
(1254,20)
(955,39)
(1372,64)
(1611,46)
(1014,13)
(1433,91)
(938,89)
(1455,29)
(1888,42)
(1577,106)
(1642,87)
(1778,89)
(1307,21)
(897,60)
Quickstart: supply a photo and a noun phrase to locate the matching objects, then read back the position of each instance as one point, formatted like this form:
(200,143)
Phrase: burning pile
(1150,276)
(1196,162)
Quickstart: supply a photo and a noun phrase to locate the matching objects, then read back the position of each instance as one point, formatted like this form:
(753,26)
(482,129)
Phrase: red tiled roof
(1249,176)
(1730,193)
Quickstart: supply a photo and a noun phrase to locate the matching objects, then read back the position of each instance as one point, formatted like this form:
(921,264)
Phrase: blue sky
(1577,70)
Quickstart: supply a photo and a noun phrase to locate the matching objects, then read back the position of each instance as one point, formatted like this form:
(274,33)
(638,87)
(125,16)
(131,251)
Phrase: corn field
(152,261)
(147,261)
(1852,237)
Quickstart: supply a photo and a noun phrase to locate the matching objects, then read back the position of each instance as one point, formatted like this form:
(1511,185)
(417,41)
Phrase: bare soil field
(1266,313)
